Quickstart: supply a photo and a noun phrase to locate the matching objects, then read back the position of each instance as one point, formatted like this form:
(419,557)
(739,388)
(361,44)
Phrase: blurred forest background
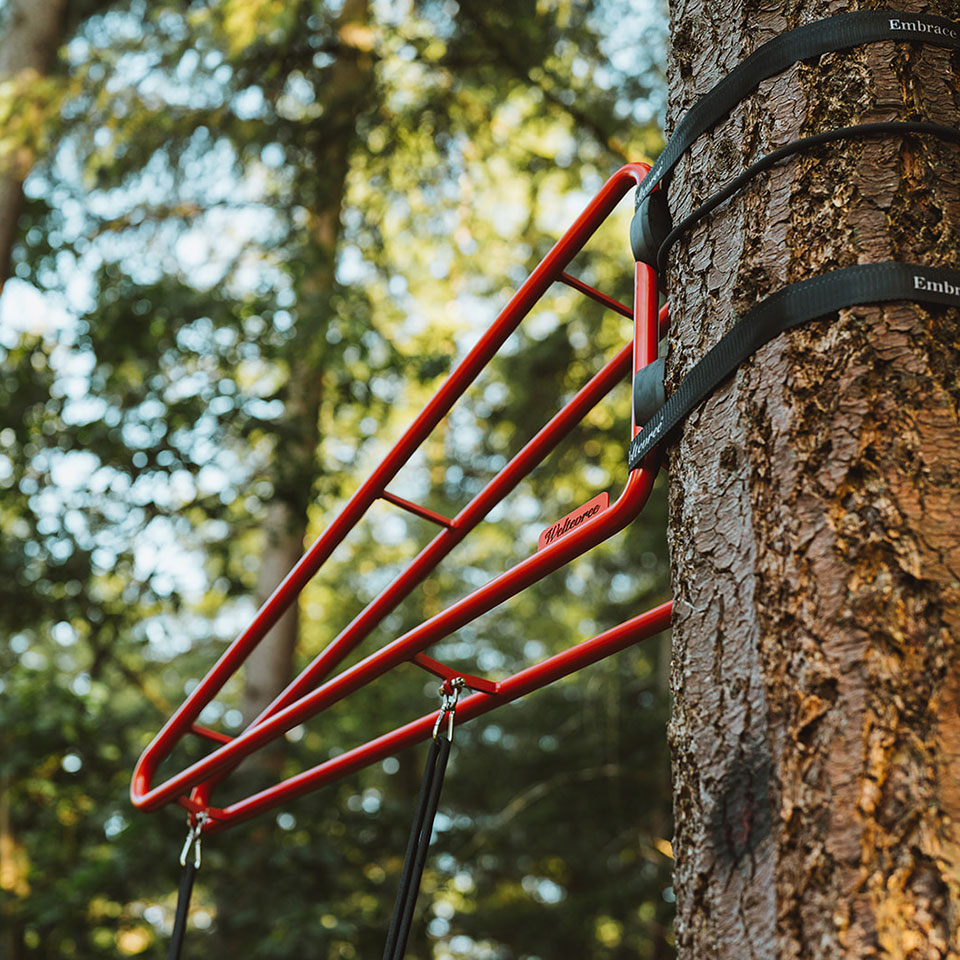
(254,236)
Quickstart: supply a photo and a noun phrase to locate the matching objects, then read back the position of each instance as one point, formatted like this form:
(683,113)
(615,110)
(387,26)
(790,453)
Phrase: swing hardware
(652,233)
(788,308)
(655,419)
(840,32)
(450,692)
(194,830)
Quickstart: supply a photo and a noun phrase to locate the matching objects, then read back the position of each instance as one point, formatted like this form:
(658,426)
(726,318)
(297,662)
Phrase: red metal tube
(465,521)
(439,405)
(646,336)
(427,560)
(600,527)
(526,681)
(597,295)
(424,512)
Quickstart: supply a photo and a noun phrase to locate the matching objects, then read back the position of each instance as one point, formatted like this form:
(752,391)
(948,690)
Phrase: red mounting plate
(573,520)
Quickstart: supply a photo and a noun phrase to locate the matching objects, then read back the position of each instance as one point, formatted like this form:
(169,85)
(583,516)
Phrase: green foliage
(272,227)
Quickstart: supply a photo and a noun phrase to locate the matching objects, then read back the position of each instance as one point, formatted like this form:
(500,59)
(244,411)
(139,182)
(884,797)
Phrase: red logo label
(573,520)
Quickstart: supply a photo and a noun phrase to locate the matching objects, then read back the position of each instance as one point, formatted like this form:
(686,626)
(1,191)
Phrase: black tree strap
(811,40)
(887,127)
(426,813)
(790,307)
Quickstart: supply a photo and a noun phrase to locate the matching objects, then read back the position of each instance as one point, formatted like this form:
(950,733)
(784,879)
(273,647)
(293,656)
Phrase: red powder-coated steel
(314,690)
(533,678)
(424,512)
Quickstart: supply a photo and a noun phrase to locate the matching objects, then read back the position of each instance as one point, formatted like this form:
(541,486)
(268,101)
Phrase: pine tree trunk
(269,667)
(814,532)
(31,33)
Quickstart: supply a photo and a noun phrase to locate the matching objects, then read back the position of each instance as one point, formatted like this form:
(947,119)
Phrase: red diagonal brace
(595,294)
(412,507)
(444,672)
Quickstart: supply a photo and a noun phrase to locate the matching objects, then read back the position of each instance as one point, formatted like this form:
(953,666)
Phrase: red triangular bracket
(314,689)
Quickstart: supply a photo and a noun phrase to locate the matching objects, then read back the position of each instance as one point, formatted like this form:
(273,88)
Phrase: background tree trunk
(269,667)
(814,503)
(31,32)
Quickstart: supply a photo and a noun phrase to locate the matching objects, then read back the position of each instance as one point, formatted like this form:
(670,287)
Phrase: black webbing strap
(887,127)
(417,845)
(811,40)
(183,907)
(190,867)
(796,304)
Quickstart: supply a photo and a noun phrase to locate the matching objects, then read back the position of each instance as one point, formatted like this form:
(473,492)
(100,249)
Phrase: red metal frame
(313,690)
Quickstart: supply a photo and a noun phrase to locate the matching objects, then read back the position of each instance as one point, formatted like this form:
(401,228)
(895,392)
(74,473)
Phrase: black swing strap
(788,308)
(190,866)
(416,855)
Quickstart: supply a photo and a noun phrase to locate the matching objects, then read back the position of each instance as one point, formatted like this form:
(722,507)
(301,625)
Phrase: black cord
(183,907)
(416,855)
(775,156)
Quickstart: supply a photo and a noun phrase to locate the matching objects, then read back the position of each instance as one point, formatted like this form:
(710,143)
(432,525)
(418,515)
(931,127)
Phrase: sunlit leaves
(244,21)
(26,101)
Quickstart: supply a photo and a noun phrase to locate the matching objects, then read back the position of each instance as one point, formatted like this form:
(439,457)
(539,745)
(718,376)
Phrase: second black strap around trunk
(783,310)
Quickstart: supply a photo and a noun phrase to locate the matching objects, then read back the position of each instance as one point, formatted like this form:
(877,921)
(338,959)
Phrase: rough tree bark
(31,33)
(814,502)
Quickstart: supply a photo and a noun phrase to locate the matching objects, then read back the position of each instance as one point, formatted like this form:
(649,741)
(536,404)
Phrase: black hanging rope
(190,866)
(417,845)
(183,907)
(416,855)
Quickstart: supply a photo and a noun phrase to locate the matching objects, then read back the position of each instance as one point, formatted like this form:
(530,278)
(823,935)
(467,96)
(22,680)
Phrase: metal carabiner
(450,692)
(194,829)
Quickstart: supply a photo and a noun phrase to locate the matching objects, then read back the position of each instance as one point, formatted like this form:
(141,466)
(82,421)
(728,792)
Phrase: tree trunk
(269,667)
(813,524)
(31,33)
